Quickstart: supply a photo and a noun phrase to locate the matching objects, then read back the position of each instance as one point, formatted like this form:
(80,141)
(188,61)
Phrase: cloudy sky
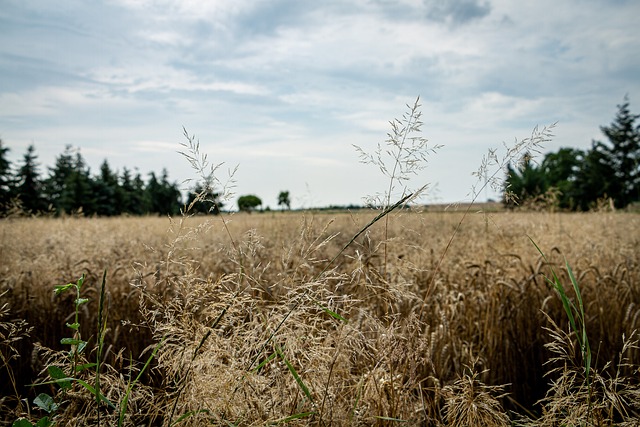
(284,88)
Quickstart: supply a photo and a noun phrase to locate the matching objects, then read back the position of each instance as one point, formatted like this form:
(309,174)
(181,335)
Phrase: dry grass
(251,333)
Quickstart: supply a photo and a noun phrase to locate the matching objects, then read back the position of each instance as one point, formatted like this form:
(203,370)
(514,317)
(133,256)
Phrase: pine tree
(138,201)
(170,197)
(77,195)
(6,180)
(623,152)
(55,184)
(107,192)
(28,183)
(206,202)
(126,191)
(595,178)
(526,182)
(560,170)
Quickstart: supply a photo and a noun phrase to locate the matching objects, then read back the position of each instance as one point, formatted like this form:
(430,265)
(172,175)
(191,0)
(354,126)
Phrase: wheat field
(257,319)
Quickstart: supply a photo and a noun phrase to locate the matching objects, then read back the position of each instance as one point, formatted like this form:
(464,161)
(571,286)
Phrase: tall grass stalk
(333,314)
(575,314)
(102,330)
(403,157)
(490,161)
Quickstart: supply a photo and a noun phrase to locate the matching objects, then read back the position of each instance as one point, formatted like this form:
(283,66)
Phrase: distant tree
(77,195)
(132,193)
(138,202)
(152,193)
(126,190)
(163,197)
(28,183)
(559,170)
(56,183)
(204,201)
(248,203)
(595,178)
(623,153)
(526,181)
(6,179)
(171,196)
(107,192)
(283,200)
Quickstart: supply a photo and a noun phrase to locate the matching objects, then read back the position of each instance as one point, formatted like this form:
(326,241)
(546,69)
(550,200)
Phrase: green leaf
(80,301)
(73,326)
(85,366)
(44,422)
(61,288)
(55,372)
(46,403)
(71,341)
(59,376)
(22,422)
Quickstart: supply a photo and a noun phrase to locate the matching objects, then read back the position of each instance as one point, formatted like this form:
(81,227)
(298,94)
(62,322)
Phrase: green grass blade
(99,396)
(102,328)
(584,339)
(557,285)
(125,399)
(397,420)
(293,371)
(293,417)
(576,289)
(264,362)
(330,312)
(189,414)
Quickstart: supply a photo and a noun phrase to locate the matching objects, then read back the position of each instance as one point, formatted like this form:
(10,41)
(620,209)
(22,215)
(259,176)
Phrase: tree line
(70,187)
(569,179)
(573,179)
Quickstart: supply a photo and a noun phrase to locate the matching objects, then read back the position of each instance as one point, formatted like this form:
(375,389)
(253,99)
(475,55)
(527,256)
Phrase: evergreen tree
(163,197)
(127,192)
(170,201)
(559,170)
(55,184)
(595,178)
(138,201)
(6,179)
(526,182)
(77,194)
(28,183)
(206,202)
(623,152)
(152,194)
(107,192)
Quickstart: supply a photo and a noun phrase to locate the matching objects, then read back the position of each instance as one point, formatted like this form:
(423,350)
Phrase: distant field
(258,326)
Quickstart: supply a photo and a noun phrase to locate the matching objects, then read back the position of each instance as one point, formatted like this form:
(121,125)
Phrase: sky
(284,89)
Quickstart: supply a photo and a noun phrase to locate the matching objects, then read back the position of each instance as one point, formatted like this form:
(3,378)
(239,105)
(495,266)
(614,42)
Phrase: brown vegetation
(253,329)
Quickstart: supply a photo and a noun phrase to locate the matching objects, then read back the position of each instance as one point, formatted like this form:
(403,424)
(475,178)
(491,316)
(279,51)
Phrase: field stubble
(251,329)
